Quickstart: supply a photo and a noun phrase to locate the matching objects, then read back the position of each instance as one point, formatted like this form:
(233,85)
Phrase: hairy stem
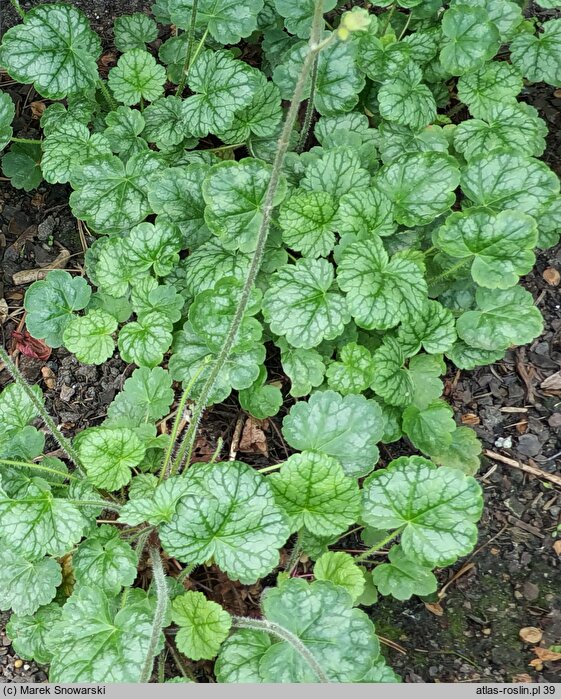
(283,634)
(283,144)
(17,8)
(186,572)
(310,108)
(448,272)
(64,443)
(35,141)
(179,662)
(96,503)
(39,467)
(295,555)
(378,545)
(111,103)
(162,600)
(190,39)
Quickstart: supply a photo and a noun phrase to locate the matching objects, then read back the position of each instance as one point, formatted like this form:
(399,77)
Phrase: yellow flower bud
(357,20)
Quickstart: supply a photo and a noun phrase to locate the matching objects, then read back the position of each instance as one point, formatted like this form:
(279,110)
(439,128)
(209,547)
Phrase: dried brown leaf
(531,634)
(545,655)
(253,440)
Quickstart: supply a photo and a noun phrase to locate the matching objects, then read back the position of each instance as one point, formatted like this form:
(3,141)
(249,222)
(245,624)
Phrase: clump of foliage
(365,237)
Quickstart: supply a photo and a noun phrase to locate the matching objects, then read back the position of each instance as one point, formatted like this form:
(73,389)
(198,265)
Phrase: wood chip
(26,276)
(512,409)
(3,310)
(531,634)
(557,547)
(553,382)
(552,276)
(37,109)
(532,470)
(434,608)
(470,419)
(49,377)
(522,677)
(546,655)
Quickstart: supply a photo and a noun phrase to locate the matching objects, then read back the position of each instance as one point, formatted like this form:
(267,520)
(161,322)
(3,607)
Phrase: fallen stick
(26,276)
(532,470)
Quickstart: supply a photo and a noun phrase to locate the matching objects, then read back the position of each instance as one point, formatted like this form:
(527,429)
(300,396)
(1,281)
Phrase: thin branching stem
(282,148)
(162,600)
(190,39)
(283,634)
(378,545)
(33,141)
(310,108)
(64,443)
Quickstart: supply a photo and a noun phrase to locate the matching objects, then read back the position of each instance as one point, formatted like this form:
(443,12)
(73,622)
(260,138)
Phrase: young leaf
(538,58)
(402,578)
(382,59)
(471,37)
(7,113)
(232,518)
(26,585)
(221,86)
(306,219)
(500,245)
(68,145)
(234,192)
(90,338)
(336,172)
(158,505)
(433,329)
(341,638)
(50,304)
(494,85)
(147,296)
(166,124)
(54,49)
(261,400)
(22,166)
(300,304)
(146,396)
(503,318)
(96,641)
(29,633)
(429,428)
(16,410)
(153,246)
(380,292)
(436,509)
(109,454)
(298,14)
(354,371)
(462,453)
(203,625)
(304,368)
(124,126)
(340,569)
(420,185)
(137,77)
(111,196)
(260,118)
(134,31)
(347,428)
(145,342)
(391,380)
(405,100)
(104,561)
(314,491)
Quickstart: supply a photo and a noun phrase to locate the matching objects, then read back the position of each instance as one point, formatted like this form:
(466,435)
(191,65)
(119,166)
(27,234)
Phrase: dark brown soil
(470,633)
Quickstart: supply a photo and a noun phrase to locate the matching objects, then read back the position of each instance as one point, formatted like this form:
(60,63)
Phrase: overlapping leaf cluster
(397,241)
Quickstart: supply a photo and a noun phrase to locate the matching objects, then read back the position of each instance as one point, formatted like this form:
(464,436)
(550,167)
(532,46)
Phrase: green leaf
(166,123)
(67,146)
(54,49)
(50,304)
(429,428)
(301,305)
(145,342)
(7,113)
(260,118)
(382,59)
(109,454)
(304,368)
(146,397)
(29,633)
(340,637)
(380,292)
(405,100)
(106,266)
(336,172)
(90,338)
(234,192)
(340,569)
(232,519)
(353,373)
(134,31)
(513,127)
(466,357)
(16,410)
(124,126)
(96,641)
(22,166)
(365,214)
(298,14)
(111,196)
(27,585)
(538,58)
(420,185)
(228,21)
(261,400)
(153,246)
(471,38)
(338,79)
(499,244)
(221,86)
(156,506)
(148,296)
(347,428)
(104,561)
(178,195)
(314,491)
(203,625)
(402,578)
(391,380)
(36,523)
(395,140)
(503,318)
(306,219)
(494,85)
(210,263)
(509,181)
(137,77)
(436,509)
(462,453)
(433,330)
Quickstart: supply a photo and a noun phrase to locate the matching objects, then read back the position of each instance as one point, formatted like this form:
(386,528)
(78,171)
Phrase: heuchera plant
(367,236)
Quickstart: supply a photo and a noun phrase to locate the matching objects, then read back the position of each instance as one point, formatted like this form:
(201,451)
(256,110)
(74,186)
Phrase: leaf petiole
(379,544)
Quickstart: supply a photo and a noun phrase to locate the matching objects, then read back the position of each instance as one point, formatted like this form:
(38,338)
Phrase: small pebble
(503,442)
(529,445)
(18,663)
